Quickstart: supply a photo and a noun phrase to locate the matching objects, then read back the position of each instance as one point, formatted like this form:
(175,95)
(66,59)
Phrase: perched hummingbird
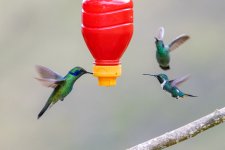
(171,85)
(163,51)
(62,85)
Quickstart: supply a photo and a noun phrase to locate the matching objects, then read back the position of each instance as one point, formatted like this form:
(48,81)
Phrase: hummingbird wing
(178,81)
(178,41)
(45,72)
(160,34)
(50,82)
(48,78)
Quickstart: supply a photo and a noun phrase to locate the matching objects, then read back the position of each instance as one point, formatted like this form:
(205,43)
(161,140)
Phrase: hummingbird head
(78,71)
(159,43)
(160,77)
(156,39)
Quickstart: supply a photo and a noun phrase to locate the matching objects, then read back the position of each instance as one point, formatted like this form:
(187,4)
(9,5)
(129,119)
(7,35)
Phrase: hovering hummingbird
(163,51)
(62,85)
(171,85)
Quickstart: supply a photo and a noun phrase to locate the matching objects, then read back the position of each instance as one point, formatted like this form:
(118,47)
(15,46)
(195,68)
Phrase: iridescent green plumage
(163,51)
(62,85)
(171,85)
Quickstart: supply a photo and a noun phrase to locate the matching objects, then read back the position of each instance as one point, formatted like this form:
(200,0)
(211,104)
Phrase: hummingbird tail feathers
(189,95)
(165,68)
(44,109)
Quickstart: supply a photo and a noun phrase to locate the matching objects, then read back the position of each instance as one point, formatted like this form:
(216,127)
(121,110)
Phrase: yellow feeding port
(107,74)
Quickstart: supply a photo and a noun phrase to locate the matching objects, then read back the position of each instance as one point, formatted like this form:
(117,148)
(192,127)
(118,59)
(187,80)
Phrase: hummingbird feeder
(107,28)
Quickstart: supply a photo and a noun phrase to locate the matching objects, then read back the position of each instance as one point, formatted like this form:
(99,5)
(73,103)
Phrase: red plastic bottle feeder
(107,28)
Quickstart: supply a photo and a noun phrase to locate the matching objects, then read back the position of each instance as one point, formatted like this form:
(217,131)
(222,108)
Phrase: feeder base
(107,74)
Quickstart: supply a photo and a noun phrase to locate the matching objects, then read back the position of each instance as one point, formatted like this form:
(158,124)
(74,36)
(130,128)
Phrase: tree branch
(183,133)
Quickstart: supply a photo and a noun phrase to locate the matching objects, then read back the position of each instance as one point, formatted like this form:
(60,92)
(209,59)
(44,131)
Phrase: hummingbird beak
(150,75)
(89,72)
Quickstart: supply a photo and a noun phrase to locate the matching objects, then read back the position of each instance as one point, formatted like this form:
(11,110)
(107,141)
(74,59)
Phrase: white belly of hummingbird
(163,84)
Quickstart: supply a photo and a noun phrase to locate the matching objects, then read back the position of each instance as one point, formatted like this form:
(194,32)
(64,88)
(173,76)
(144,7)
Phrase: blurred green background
(99,118)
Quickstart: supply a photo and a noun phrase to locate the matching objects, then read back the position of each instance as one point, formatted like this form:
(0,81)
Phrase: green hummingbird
(62,85)
(170,86)
(163,51)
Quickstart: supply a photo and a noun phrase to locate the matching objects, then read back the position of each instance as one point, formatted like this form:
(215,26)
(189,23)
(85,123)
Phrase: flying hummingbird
(62,85)
(171,85)
(163,51)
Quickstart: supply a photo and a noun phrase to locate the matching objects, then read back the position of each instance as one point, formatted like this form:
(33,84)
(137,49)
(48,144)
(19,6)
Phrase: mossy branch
(183,133)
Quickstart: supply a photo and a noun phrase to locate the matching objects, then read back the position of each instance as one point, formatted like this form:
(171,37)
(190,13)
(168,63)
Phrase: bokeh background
(47,32)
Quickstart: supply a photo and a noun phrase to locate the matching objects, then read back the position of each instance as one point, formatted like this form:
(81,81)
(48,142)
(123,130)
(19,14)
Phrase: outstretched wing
(50,82)
(160,34)
(48,78)
(178,41)
(45,72)
(178,81)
